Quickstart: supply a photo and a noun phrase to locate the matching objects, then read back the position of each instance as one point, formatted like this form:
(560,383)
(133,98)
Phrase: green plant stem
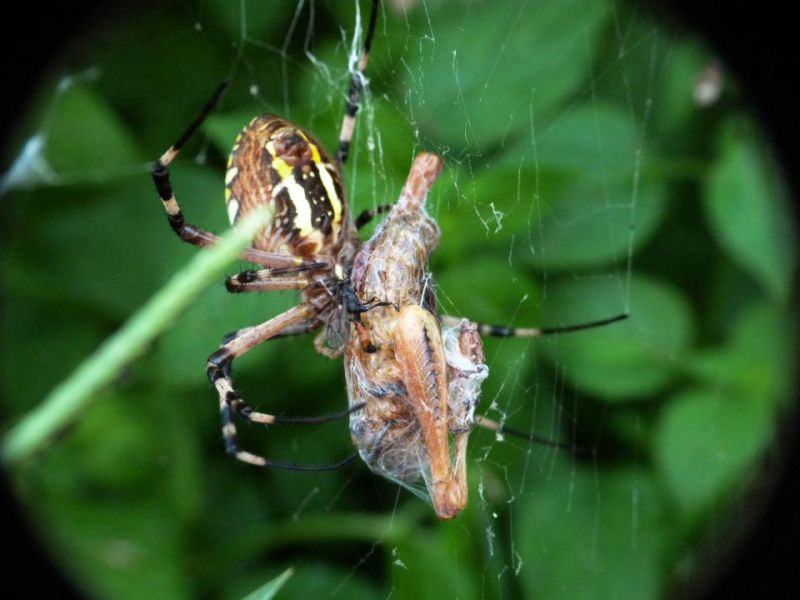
(64,403)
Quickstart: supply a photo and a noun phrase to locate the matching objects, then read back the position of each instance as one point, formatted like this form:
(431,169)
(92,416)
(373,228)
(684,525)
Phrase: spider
(413,377)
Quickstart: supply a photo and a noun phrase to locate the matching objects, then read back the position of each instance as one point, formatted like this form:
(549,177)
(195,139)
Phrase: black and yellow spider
(374,301)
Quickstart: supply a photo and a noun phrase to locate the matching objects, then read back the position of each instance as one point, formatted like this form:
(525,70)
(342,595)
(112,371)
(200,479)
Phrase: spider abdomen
(278,164)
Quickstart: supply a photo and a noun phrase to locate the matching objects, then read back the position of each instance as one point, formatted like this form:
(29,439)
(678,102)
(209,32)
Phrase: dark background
(756,42)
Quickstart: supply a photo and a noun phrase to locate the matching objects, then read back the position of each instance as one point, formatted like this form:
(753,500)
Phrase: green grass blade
(62,406)
(269,589)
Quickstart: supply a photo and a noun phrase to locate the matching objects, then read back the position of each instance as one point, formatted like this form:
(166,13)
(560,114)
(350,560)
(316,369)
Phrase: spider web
(551,118)
(433,71)
(419,57)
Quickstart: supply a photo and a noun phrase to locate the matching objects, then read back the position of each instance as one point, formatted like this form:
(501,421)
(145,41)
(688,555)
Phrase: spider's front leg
(357,81)
(506,332)
(160,173)
(367,215)
(503,331)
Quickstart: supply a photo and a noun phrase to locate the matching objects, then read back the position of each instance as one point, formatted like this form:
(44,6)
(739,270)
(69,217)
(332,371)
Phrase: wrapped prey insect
(418,383)
(413,377)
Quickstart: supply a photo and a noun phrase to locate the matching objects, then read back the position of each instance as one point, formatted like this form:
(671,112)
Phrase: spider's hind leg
(218,368)
(219,364)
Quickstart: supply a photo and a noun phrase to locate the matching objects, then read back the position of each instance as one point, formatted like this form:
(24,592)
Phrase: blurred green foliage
(582,181)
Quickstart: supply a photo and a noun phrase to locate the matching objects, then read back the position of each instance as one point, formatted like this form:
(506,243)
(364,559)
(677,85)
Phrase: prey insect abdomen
(392,265)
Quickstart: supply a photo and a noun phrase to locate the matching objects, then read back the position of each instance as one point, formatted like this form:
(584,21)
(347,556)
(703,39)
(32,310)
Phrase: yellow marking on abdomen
(327,180)
(280,165)
(302,209)
(330,188)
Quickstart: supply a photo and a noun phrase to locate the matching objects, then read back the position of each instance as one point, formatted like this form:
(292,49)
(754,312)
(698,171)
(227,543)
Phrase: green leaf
(161,50)
(269,589)
(590,224)
(117,233)
(572,200)
(186,346)
(118,548)
(490,213)
(549,222)
(594,137)
(626,360)
(222,129)
(586,534)
(497,292)
(114,268)
(246,19)
(707,443)
(597,212)
(63,337)
(96,457)
(755,362)
(427,567)
(86,139)
(472,99)
(674,107)
(747,210)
